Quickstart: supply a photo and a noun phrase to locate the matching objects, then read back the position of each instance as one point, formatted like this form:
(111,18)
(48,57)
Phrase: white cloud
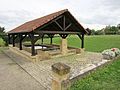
(91,13)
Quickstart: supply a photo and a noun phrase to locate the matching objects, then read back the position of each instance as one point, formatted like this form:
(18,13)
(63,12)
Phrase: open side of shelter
(62,23)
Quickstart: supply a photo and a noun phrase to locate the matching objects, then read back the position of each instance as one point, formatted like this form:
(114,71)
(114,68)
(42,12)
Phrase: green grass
(92,43)
(100,43)
(106,78)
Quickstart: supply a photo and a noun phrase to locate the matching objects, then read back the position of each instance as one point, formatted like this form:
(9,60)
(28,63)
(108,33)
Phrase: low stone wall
(27,49)
(79,50)
(23,53)
(26,53)
(43,55)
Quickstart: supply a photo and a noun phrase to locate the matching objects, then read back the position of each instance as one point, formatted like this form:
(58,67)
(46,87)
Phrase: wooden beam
(51,36)
(63,35)
(82,42)
(51,40)
(58,25)
(58,18)
(68,26)
(20,41)
(32,44)
(64,23)
(42,39)
(56,32)
(50,22)
(38,37)
(13,40)
(9,38)
(79,35)
(21,37)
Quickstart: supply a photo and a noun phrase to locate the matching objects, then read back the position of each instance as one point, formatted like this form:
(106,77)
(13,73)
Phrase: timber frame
(64,24)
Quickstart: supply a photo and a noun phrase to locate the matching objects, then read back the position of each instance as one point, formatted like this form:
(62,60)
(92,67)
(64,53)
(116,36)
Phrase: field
(92,43)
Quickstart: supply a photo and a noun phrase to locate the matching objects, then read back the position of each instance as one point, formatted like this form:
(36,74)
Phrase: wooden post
(42,39)
(50,40)
(8,38)
(13,40)
(21,37)
(82,41)
(50,36)
(20,41)
(32,44)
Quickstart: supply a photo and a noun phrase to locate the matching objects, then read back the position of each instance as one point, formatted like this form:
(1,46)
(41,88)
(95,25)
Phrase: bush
(5,38)
(2,42)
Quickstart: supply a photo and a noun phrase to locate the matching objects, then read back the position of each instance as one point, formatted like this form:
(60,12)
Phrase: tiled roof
(32,25)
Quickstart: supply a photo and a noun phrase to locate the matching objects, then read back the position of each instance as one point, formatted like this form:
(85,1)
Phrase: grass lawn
(92,43)
(106,78)
(99,43)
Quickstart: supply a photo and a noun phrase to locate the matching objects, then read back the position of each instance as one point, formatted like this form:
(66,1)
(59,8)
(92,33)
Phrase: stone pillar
(60,73)
(63,46)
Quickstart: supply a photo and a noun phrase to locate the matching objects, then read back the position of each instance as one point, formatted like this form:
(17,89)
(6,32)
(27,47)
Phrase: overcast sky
(94,14)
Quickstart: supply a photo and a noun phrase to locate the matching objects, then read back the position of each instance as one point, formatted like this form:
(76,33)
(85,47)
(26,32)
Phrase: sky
(93,14)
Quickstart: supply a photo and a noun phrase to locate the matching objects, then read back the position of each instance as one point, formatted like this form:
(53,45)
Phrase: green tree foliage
(98,32)
(118,26)
(3,35)
(89,31)
(111,30)
(2,42)
(108,30)
(92,32)
(2,30)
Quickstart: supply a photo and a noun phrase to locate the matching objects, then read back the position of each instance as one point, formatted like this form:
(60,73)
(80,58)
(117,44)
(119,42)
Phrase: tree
(99,32)
(89,31)
(2,30)
(111,30)
(114,29)
(118,26)
(93,32)
(3,35)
